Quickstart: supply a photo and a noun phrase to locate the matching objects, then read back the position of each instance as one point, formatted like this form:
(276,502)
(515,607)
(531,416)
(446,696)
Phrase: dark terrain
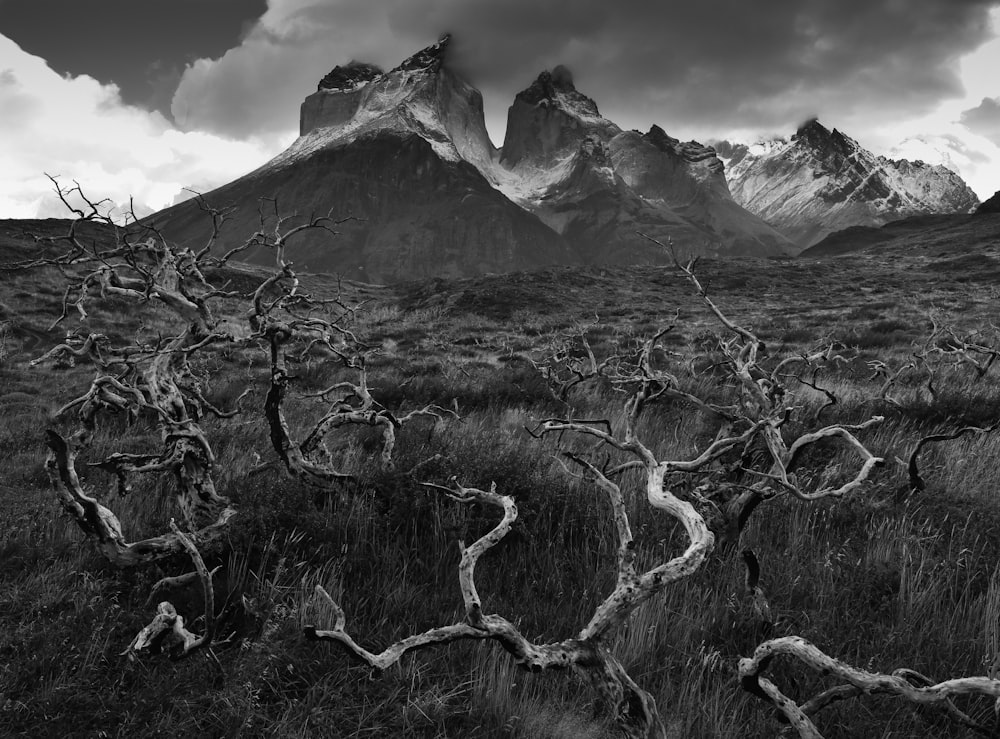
(878,579)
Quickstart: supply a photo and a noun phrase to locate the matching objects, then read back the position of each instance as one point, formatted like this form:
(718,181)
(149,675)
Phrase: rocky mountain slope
(395,151)
(990,206)
(598,185)
(933,236)
(406,154)
(820,181)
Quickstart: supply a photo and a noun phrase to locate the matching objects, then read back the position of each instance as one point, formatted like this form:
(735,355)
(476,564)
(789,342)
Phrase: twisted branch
(752,671)
(912,468)
(166,632)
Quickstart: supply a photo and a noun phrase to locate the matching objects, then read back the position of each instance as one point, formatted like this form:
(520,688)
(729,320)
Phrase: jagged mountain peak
(660,138)
(822,180)
(355,74)
(350,76)
(597,185)
(422,95)
(549,121)
(815,136)
(811,127)
(548,84)
(691,151)
(406,151)
(556,89)
(431,58)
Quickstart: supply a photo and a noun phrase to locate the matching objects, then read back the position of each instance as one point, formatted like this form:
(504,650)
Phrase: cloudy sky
(145,99)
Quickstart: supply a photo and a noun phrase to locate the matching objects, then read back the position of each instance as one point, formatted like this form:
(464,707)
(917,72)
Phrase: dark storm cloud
(984,119)
(721,62)
(140,47)
(161,80)
(752,63)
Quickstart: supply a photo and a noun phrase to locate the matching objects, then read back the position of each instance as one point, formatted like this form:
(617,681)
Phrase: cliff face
(420,96)
(598,185)
(821,181)
(406,153)
(659,166)
(403,153)
(549,120)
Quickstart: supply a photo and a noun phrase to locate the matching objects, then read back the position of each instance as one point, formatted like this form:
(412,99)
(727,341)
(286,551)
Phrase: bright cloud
(78,129)
(258,85)
(974,157)
(958,132)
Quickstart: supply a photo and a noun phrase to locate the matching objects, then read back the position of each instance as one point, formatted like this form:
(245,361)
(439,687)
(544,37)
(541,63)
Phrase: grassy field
(879,579)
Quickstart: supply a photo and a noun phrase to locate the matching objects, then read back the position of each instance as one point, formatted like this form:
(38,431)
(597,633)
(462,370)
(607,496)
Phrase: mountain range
(406,154)
(403,159)
(820,181)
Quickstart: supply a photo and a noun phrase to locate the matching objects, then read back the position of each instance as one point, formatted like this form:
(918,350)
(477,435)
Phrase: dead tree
(157,379)
(907,684)
(632,707)
(166,632)
(916,480)
(283,314)
(752,458)
(753,423)
(969,350)
(755,419)
(943,347)
(152,379)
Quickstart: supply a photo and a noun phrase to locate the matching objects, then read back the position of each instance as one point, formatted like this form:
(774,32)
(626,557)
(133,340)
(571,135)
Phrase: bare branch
(633,708)
(900,683)
(912,470)
(166,632)
(102,527)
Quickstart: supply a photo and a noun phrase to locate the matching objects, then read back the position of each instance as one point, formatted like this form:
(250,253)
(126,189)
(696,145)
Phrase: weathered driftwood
(153,379)
(282,314)
(912,466)
(102,527)
(167,632)
(758,416)
(632,707)
(942,347)
(907,684)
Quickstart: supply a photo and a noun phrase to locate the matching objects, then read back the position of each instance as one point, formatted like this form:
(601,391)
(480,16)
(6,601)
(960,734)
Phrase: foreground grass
(874,580)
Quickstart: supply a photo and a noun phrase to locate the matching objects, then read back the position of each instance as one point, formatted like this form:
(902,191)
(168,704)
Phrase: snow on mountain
(403,152)
(598,185)
(420,96)
(975,158)
(820,181)
(406,152)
